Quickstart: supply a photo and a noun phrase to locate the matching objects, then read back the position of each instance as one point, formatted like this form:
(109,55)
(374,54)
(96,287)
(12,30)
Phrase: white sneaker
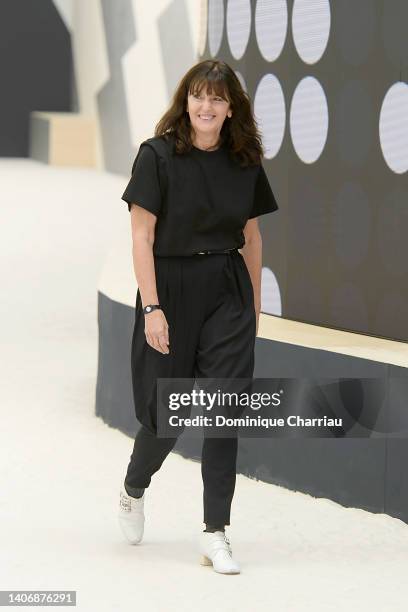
(215,549)
(131,516)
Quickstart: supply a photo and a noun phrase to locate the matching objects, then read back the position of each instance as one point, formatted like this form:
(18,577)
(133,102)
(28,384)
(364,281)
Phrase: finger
(154,342)
(157,344)
(162,342)
(150,340)
(166,336)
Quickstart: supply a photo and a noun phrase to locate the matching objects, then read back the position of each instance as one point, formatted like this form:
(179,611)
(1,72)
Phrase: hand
(157,331)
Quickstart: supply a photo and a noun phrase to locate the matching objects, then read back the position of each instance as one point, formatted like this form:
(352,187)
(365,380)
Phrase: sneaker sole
(206,561)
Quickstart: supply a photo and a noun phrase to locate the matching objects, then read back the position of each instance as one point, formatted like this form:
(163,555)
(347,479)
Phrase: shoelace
(228,543)
(125,503)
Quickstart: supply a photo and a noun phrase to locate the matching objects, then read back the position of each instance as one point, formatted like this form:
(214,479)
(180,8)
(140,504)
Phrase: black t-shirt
(207,199)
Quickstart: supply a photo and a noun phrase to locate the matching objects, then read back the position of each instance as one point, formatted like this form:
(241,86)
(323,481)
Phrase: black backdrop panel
(337,247)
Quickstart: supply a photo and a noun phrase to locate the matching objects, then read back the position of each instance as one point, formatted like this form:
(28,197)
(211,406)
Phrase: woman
(196,189)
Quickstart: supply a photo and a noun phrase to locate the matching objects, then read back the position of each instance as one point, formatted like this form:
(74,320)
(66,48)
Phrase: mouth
(206,117)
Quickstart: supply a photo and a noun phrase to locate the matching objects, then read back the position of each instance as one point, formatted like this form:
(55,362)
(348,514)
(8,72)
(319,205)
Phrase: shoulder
(162,145)
(152,153)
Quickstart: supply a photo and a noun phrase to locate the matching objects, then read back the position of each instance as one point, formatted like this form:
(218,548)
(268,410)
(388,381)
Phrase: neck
(206,143)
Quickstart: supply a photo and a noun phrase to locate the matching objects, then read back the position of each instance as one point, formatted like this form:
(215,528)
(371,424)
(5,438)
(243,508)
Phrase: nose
(206,105)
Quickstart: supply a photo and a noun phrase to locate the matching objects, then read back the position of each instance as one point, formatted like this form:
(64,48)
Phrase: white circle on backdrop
(270,113)
(271,25)
(271,299)
(311,28)
(393,127)
(215,25)
(203,28)
(238,26)
(309,119)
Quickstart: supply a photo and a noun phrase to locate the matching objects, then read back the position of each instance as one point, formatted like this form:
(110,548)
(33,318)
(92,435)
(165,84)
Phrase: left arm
(252,253)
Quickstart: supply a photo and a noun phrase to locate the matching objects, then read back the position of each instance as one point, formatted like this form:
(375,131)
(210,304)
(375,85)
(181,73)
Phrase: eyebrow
(213,94)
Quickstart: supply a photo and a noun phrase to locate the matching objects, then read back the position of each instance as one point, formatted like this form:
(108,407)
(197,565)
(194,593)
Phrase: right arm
(143,225)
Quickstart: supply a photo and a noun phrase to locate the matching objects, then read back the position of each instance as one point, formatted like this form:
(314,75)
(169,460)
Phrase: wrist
(151,308)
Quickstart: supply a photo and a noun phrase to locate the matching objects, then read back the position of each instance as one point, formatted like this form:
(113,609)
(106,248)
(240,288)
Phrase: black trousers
(208,302)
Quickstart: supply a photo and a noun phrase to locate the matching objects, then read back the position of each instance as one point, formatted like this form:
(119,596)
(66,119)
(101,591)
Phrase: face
(207,112)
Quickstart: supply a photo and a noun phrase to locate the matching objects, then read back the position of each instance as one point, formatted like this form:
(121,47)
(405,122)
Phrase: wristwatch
(151,307)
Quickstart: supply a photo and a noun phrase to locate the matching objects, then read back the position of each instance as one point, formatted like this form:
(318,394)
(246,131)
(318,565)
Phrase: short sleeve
(264,199)
(144,186)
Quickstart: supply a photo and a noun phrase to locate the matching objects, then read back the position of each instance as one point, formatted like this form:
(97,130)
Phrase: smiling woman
(198,297)
(207,114)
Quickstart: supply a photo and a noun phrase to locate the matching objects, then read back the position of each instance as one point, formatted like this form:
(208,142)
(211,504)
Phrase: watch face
(148,309)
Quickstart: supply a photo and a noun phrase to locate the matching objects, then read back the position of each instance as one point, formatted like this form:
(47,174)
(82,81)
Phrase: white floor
(61,467)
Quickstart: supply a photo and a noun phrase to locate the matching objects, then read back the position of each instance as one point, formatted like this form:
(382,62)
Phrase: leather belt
(214,252)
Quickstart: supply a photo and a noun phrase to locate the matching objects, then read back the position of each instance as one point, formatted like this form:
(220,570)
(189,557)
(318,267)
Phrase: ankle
(134,491)
(212,529)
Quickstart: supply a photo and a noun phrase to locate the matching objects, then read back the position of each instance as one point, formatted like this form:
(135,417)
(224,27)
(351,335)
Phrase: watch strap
(151,307)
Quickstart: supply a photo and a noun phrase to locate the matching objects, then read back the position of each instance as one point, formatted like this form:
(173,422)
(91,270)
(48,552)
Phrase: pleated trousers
(208,302)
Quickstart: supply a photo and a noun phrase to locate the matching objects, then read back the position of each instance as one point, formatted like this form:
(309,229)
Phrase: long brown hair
(239,133)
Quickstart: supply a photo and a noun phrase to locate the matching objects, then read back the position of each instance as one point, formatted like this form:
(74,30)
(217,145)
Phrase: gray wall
(35,68)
